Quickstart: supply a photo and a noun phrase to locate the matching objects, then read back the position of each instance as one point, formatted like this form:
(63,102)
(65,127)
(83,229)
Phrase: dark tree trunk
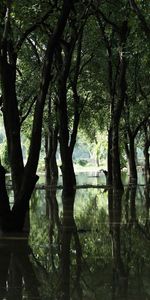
(67,142)
(4,200)
(51,168)
(69,180)
(116,168)
(146,156)
(132,160)
(16,268)
(109,157)
(68,174)
(12,123)
(117,92)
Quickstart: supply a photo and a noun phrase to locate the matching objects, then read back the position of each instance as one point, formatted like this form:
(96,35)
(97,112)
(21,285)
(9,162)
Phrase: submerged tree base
(15,219)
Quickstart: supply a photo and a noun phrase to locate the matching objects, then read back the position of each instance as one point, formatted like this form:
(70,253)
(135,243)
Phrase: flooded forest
(74,150)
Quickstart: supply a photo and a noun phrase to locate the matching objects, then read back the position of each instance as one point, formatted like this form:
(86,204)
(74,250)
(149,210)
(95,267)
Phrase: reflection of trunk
(52,210)
(5,255)
(15,280)
(65,264)
(126,202)
(117,197)
(132,203)
(69,230)
(146,155)
(53,216)
(119,273)
(17,271)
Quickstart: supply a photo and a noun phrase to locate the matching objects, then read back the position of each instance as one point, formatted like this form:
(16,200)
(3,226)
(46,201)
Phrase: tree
(24,177)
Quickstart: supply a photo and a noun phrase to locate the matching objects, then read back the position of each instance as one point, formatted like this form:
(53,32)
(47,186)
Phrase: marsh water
(93,246)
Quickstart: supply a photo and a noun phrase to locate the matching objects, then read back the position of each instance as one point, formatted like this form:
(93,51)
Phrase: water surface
(96,246)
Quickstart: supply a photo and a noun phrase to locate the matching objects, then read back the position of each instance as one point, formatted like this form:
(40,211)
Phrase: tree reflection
(120,277)
(106,274)
(69,233)
(17,276)
(53,216)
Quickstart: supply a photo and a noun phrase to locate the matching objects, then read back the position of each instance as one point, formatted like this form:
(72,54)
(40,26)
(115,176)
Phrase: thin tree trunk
(146,155)
(116,168)
(132,159)
(109,157)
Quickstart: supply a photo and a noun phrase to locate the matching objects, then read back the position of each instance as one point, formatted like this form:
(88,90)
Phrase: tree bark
(68,174)
(132,160)
(146,155)
(12,122)
(109,157)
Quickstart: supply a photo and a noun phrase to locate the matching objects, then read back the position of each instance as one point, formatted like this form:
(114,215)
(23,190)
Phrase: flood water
(95,246)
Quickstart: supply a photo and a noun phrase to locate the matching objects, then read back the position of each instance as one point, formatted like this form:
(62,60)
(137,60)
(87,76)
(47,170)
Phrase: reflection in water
(17,277)
(69,232)
(120,277)
(94,250)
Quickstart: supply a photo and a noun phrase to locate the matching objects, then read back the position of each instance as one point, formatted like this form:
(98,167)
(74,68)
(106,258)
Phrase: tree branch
(31,29)
(141,124)
(138,12)
(108,21)
(28,111)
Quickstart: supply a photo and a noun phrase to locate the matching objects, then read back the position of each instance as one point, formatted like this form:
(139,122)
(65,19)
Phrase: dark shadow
(147,204)
(17,276)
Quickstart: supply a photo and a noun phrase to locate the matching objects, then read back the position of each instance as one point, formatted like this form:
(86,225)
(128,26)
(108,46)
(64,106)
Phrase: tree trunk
(132,161)
(4,200)
(131,157)
(12,123)
(146,156)
(51,168)
(68,174)
(109,157)
(116,168)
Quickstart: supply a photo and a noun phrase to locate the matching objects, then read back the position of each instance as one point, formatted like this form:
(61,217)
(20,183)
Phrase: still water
(95,246)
